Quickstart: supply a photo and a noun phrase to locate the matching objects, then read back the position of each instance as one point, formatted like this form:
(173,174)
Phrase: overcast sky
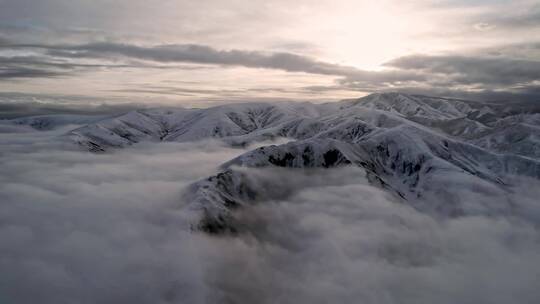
(217,50)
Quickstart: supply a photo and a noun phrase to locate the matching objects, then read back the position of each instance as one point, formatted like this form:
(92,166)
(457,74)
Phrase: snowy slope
(427,165)
(482,124)
(181,125)
(416,147)
(419,107)
(410,162)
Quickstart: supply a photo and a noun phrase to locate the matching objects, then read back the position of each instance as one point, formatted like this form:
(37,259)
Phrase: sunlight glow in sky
(185,51)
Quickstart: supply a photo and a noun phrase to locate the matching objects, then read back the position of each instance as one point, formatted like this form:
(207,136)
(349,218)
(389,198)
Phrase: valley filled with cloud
(269,151)
(113,228)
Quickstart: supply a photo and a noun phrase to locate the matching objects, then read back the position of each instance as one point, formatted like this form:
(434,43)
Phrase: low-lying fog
(77,227)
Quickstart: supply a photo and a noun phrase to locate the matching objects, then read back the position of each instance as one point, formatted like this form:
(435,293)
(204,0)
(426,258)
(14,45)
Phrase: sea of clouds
(77,227)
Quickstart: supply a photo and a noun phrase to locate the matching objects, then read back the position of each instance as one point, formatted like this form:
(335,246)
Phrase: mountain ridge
(419,148)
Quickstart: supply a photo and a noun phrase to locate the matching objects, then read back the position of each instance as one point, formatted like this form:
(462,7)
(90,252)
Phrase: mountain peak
(410,145)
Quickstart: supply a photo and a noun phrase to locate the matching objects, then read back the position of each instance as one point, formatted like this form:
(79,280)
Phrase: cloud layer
(481,50)
(110,228)
(458,76)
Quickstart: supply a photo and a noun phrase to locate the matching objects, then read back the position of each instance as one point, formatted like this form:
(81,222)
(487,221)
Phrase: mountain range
(424,150)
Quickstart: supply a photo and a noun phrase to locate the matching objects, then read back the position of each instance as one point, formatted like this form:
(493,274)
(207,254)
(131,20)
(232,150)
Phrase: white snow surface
(416,147)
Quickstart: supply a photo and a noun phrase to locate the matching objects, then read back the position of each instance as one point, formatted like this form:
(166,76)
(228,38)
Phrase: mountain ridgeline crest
(421,149)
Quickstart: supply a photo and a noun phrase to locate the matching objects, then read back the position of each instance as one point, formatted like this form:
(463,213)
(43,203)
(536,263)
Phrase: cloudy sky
(228,50)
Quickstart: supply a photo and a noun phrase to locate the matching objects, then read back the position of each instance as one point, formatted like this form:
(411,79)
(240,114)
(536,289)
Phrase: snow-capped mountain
(181,125)
(417,147)
(488,125)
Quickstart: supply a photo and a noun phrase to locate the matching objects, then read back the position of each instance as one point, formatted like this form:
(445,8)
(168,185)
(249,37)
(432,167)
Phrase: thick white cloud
(77,227)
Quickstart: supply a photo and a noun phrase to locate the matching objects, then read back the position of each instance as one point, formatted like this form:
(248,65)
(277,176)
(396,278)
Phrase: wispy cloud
(467,47)
(452,72)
